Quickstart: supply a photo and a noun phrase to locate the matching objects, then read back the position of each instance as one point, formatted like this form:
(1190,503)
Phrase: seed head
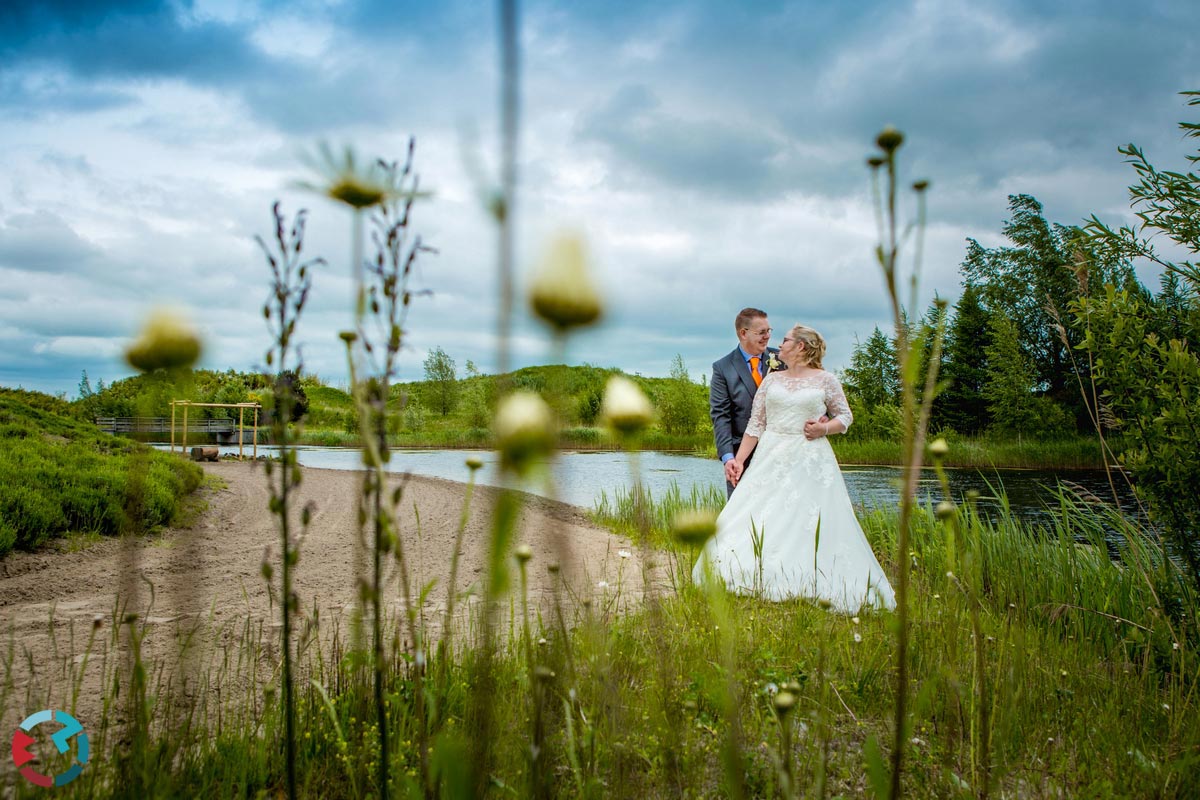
(920,186)
(474,463)
(784,701)
(523,553)
(524,430)
(625,407)
(889,139)
(562,292)
(875,162)
(166,342)
(938,448)
(694,527)
(945,510)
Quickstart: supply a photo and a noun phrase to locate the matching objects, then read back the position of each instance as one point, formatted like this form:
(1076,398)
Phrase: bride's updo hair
(814,345)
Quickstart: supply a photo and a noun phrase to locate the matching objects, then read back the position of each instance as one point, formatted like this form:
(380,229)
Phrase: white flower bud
(524,430)
(562,292)
(626,408)
(694,527)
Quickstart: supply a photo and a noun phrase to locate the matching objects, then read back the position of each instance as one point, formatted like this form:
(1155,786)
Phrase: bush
(59,475)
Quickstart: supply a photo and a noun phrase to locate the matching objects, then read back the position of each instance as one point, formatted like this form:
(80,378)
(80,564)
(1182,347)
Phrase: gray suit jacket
(730,397)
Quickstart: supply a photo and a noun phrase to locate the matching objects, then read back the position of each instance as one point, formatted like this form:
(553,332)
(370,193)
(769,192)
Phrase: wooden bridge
(227,431)
(163,425)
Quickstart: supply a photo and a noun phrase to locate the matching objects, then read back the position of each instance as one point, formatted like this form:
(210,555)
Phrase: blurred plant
(291,281)
(915,405)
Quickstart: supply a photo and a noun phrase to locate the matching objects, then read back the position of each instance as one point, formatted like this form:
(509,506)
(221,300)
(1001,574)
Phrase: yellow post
(256,432)
(172,426)
(185,416)
(241,415)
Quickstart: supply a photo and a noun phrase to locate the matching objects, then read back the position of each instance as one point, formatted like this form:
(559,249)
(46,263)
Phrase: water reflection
(582,477)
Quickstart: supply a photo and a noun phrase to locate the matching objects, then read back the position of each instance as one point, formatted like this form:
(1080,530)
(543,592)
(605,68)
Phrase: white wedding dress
(791,485)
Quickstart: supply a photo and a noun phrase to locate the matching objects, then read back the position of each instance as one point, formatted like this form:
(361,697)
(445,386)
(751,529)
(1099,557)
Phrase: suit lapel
(742,367)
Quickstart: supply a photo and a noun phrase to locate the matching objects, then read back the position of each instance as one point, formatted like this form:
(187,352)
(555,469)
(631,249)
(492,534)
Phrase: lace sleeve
(758,411)
(836,405)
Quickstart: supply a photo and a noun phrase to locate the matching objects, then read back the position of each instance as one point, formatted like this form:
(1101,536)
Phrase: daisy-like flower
(624,553)
(602,585)
(857,637)
(345,179)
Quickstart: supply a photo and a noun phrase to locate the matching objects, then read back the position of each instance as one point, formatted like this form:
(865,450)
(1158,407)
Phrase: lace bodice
(784,403)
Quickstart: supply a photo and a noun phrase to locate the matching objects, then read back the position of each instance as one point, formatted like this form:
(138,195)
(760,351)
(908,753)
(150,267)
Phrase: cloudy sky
(712,153)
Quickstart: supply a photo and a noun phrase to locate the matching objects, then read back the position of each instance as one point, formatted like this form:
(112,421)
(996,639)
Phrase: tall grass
(1089,694)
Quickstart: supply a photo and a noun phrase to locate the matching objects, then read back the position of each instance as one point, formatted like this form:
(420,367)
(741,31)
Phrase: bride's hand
(737,469)
(816,428)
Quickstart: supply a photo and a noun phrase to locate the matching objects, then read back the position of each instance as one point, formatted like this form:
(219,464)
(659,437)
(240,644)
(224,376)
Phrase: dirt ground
(209,577)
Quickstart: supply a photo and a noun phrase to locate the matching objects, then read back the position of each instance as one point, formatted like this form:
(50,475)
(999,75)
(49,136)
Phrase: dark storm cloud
(130,39)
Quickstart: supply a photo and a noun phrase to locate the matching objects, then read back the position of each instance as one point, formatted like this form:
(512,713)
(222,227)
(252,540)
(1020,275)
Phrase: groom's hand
(732,473)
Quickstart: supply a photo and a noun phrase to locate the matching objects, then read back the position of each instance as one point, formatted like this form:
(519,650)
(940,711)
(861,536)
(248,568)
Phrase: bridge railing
(163,425)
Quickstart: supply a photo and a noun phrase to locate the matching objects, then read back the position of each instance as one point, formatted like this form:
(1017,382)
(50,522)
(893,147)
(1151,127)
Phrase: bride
(789,528)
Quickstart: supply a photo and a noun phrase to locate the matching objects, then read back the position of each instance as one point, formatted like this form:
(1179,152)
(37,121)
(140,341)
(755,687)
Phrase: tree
(680,403)
(873,374)
(440,372)
(1148,358)
(1009,386)
(85,387)
(287,382)
(1033,281)
(962,405)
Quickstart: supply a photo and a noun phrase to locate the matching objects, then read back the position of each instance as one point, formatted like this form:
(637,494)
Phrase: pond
(583,477)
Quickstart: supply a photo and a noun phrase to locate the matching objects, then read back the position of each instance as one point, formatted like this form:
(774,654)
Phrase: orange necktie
(754,373)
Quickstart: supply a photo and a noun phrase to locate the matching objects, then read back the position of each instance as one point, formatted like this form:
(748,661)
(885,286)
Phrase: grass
(60,476)
(1076,452)
(1088,692)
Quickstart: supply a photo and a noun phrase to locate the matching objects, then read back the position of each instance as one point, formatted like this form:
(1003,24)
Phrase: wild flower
(562,293)
(346,180)
(625,407)
(694,527)
(166,341)
(524,430)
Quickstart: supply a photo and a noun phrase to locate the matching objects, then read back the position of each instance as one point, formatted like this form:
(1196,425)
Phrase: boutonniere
(773,362)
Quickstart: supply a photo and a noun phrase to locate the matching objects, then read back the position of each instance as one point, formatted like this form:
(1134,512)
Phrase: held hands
(816,428)
(733,471)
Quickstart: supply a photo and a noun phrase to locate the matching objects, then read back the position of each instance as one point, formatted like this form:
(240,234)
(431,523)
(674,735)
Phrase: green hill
(59,475)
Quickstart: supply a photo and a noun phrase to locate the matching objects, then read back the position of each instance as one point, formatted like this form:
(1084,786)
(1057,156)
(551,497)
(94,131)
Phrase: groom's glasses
(763,332)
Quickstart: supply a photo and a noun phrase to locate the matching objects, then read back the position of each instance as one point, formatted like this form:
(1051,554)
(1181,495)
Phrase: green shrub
(60,475)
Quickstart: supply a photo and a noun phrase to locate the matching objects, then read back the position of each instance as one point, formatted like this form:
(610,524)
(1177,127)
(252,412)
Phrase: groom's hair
(745,317)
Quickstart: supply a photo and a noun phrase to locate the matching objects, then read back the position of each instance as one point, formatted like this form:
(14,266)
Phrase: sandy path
(211,574)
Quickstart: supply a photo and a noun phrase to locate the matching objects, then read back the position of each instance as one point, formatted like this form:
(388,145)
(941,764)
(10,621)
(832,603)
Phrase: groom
(735,379)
